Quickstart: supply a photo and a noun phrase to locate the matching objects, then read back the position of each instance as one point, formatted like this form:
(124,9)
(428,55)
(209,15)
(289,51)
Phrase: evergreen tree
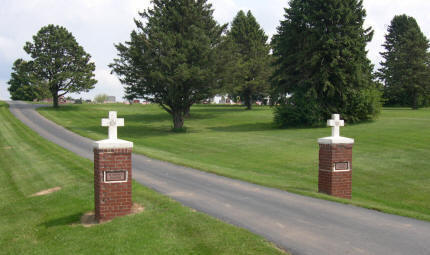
(321,61)
(405,70)
(171,57)
(23,85)
(21,82)
(60,62)
(249,67)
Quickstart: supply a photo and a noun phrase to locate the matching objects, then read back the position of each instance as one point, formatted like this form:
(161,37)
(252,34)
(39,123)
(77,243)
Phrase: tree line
(178,55)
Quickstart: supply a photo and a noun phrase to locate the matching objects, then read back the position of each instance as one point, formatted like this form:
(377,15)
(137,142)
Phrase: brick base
(331,181)
(112,199)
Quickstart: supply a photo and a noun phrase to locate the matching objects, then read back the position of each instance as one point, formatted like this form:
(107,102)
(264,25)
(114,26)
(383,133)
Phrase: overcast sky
(98,24)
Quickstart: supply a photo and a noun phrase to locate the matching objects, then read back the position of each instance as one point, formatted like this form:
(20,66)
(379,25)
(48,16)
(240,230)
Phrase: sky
(99,24)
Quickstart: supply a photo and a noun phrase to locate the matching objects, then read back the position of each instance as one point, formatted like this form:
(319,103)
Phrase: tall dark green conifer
(322,63)
(249,66)
(23,85)
(21,82)
(405,70)
(171,57)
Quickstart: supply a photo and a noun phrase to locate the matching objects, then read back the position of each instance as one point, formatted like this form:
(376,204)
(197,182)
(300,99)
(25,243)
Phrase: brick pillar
(335,169)
(112,179)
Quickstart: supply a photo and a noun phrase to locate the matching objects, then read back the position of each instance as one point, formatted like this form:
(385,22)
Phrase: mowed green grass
(49,224)
(391,156)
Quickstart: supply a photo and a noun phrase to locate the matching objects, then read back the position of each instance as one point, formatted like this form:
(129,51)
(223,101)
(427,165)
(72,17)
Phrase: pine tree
(171,57)
(249,66)
(322,63)
(60,62)
(405,70)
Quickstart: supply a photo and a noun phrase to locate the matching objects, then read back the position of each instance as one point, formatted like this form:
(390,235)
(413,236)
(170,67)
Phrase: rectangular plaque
(115,176)
(341,166)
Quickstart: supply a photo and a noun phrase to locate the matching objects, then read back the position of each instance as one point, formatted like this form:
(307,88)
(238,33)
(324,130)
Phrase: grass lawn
(391,157)
(47,224)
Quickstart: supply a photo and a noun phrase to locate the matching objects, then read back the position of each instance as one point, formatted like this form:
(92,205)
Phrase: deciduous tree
(60,62)
(100,98)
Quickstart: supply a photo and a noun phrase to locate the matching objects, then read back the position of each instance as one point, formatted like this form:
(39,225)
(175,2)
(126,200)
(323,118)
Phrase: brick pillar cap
(335,140)
(113,144)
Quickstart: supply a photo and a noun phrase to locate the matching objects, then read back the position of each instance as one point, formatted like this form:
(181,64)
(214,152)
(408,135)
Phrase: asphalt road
(298,224)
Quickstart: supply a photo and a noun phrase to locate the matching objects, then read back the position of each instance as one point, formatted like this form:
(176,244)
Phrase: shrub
(297,111)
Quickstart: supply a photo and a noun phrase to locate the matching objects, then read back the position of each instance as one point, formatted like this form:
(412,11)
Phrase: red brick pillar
(112,179)
(335,161)
(335,170)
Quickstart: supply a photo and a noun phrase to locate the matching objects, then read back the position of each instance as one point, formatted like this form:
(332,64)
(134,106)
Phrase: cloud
(267,14)
(96,24)
(4,93)
(379,16)
(224,10)
(106,84)
(99,24)
(8,49)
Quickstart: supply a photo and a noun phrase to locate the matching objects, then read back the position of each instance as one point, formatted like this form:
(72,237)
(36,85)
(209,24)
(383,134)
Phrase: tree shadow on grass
(141,126)
(61,108)
(263,126)
(145,118)
(217,108)
(396,108)
(144,131)
(222,109)
(150,118)
(135,124)
(63,221)
(134,131)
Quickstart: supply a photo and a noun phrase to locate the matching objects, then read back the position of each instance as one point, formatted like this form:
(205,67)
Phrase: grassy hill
(50,224)
(391,166)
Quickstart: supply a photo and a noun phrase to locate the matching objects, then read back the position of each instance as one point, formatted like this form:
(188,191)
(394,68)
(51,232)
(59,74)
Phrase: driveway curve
(298,224)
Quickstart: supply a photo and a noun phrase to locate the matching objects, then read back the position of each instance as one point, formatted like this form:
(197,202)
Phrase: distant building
(137,101)
(61,100)
(221,99)
(68,101)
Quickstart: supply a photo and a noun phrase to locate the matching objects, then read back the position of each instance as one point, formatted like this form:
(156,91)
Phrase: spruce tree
(321,62)
(60,62)
(171,57)
(405,70)
(249,66)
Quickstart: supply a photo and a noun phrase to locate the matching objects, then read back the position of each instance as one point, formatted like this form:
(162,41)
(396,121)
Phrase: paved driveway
(298,224)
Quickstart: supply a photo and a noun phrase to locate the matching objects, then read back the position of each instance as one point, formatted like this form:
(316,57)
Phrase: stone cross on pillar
(335,161)
(112,173)
(335,123)
(112,123)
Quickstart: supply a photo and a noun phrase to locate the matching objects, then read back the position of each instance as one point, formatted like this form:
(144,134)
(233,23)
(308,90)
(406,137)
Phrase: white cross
(335,123)
(112,123)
